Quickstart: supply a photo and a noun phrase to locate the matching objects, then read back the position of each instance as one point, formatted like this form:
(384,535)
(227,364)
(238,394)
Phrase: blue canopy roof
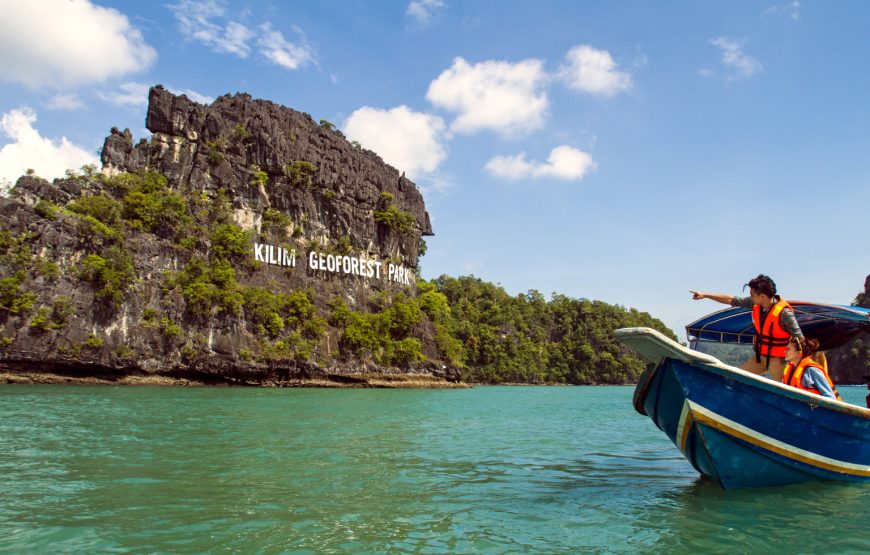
(832,325)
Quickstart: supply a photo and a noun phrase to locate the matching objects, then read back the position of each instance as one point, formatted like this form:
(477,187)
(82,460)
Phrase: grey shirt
(786,317)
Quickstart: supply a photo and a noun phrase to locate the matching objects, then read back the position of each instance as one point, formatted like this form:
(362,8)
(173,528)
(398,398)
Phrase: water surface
(483,470)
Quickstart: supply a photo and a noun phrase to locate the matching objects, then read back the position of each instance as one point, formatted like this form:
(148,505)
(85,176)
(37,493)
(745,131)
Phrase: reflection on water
(483,470)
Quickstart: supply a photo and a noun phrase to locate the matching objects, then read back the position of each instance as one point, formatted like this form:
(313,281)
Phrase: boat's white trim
(694,412)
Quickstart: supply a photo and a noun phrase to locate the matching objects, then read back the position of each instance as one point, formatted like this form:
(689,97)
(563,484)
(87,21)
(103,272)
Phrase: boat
(742,430)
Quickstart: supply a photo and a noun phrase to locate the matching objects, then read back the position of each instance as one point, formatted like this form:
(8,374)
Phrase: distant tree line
(528,339)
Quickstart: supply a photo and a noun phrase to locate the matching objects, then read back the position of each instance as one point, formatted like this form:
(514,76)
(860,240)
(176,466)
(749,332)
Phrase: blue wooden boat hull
(743,430)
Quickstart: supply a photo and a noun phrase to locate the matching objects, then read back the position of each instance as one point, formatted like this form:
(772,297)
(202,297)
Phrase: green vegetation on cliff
(401,221)
(386,334)
(15,259)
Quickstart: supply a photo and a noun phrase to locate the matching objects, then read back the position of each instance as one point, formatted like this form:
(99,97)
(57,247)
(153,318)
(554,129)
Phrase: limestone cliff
(205,148)
(240,244)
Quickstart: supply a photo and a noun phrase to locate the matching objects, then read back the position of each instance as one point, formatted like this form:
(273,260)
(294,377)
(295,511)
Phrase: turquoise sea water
(483,470)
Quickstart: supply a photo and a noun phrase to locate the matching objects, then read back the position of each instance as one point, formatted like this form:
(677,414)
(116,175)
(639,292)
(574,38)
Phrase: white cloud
(593,71)
(435,184)
(565,162)
(136,94)
(496,95)
(424,12)
(275,48)
(235,39)
(408,140)
(128,94)
(63,43)
(206,21)
(197,21)
(193,95)
(739,64)
(29,150)
(65,102)
(792,10)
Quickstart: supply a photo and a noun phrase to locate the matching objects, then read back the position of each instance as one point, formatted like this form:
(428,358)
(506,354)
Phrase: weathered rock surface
(211,147)
(262,157)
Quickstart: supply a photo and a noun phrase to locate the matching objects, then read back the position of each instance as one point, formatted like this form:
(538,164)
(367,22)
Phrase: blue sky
(621,151)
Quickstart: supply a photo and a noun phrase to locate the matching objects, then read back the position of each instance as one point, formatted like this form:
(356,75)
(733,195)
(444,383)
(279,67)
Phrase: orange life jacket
(770,338)
(793,376)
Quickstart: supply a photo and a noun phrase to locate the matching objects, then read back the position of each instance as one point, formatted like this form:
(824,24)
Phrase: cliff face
(206,148)
(240,244)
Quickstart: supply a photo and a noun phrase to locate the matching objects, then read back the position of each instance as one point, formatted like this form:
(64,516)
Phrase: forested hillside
(528,339)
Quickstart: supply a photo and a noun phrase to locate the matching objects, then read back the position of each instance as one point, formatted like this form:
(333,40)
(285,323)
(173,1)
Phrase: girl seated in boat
(805,373)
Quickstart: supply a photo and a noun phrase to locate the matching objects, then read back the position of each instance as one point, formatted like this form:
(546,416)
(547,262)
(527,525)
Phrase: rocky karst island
(243,243)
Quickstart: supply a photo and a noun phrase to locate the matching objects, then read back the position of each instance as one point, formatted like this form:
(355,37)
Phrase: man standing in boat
(774,321)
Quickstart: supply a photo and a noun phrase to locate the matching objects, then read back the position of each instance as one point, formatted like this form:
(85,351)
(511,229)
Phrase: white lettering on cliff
(399,274)
(359,265)
(277,256)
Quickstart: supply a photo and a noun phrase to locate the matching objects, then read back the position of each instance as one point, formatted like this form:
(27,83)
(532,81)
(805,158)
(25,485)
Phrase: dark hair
(806,347)
(762,284)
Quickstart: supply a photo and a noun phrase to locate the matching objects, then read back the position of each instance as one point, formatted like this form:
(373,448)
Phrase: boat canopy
(832,325)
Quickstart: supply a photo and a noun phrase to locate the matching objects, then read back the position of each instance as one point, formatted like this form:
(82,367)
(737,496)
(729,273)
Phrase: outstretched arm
(724,299)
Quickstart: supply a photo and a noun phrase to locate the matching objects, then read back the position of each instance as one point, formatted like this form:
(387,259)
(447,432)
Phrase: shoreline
(374,381)
(381,381)
(332,381)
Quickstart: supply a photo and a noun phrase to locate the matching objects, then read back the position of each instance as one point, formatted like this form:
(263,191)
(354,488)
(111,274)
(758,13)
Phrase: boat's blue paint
(742,466)
(743,430)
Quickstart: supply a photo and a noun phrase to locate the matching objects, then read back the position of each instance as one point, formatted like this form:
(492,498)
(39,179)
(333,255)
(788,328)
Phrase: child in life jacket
(805,373)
